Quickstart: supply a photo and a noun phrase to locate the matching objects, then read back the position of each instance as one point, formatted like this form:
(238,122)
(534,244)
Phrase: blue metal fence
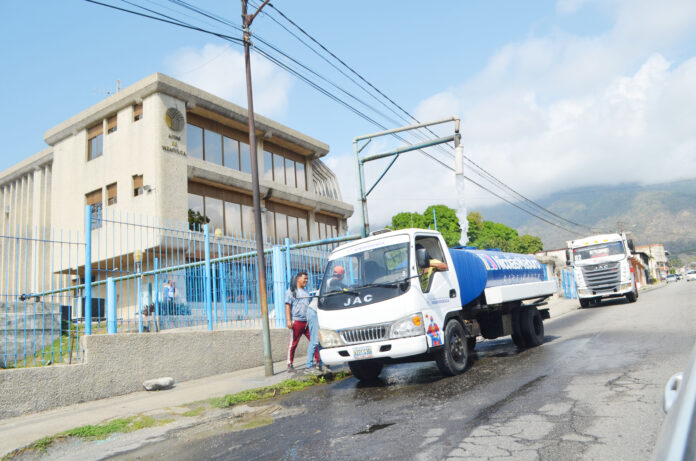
(128,274)
(570,289)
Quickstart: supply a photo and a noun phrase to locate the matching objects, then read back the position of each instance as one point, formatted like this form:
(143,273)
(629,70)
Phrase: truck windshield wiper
(393,284)
(340,292)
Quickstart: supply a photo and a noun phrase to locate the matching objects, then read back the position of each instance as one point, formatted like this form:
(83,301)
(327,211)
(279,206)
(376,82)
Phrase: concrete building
(163,149)
(658,262)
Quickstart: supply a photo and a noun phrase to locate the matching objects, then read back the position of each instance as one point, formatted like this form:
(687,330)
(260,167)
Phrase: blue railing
(146,275)
(570,289)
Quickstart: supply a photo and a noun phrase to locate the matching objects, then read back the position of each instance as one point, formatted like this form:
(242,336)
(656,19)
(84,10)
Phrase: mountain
(658,213)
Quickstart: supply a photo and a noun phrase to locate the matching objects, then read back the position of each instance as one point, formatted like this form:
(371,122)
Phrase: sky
(551,94)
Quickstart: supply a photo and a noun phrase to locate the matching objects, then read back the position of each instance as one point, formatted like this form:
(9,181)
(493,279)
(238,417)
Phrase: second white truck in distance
(602,266)
(404,297)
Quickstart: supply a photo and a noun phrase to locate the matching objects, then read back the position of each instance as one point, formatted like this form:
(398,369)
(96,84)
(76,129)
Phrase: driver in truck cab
(434,265)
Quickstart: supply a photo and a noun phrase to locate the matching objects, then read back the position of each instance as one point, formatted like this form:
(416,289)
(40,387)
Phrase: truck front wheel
(633,296)
(453,358)
(366,370)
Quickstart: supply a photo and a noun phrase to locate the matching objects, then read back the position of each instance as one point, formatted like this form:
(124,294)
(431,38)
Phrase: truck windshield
(370,276)
(598,251)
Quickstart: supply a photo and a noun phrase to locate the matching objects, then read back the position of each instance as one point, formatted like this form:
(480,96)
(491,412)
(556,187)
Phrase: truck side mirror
(422,258)
(568,258)
(631,246)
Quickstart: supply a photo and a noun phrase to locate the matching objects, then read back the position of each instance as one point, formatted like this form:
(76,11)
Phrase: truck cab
(387,307)
(602,268)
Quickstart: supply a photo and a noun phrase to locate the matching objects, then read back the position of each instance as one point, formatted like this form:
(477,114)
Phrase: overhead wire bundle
(363,98)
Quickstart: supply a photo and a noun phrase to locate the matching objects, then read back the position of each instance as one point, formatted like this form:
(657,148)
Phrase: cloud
(561,111)
(220,70)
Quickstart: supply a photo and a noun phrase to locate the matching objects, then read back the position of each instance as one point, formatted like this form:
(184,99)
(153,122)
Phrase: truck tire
(532,326)
(471,342)
(632,296)
(517,337)
(366,370)
(454,357)
(584,303)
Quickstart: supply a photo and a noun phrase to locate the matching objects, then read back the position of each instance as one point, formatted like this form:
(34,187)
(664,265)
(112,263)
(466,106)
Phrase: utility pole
(247,19)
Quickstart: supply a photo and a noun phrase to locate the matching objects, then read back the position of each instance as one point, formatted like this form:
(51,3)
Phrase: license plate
(362,352)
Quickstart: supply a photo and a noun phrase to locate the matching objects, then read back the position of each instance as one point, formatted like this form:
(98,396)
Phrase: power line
(487,175)
(170,20)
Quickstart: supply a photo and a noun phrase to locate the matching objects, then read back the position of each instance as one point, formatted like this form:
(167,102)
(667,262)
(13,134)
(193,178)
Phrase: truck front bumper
(392,348)
(619,290)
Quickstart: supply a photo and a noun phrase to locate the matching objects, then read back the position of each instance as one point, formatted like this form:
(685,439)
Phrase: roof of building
(195,98)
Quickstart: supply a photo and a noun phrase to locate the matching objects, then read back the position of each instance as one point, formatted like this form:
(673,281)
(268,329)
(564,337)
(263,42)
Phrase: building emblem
(175,119)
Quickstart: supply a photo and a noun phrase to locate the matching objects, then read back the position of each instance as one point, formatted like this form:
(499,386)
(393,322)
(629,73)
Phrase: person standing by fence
(296,302)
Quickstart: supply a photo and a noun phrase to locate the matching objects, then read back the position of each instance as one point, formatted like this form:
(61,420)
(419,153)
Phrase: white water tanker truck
(404,297)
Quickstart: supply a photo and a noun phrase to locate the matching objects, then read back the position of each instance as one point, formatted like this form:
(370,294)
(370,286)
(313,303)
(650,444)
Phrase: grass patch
(194,411)
(284,387)
(93,432)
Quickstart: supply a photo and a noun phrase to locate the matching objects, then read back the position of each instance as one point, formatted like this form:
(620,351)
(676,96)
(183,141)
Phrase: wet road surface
(593,390)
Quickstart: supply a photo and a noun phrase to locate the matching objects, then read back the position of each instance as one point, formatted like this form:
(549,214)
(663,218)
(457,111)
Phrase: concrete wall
(118,364)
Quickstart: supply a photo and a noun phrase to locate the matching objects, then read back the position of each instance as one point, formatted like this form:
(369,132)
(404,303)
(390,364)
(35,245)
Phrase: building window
(194,141)
(284,222)
(111,124)
(217,144)
(137,112)
(284,167)
(233,212)
(137,185)
(327,226)
(212,147)
(111,194)
(95,142)
(94,198)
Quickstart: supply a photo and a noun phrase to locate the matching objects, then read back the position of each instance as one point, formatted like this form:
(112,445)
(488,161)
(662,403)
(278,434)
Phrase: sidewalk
(23,430)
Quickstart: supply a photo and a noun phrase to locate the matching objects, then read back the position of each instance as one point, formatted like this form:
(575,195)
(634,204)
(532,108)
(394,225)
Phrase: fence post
(288,267)
(156,296)
(215,275)
(88,270)
(110,306)
(223,289)
(208,280)
(279,288)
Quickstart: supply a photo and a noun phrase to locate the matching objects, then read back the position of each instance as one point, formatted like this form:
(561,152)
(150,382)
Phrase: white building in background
(158,149)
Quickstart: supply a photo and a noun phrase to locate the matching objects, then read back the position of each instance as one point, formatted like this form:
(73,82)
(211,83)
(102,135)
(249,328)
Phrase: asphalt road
(593,390)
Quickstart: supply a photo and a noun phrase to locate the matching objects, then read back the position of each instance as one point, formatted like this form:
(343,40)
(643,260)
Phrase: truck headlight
(330,338)
(407,326)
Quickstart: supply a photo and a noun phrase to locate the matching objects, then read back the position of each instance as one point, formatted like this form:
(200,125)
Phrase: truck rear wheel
(453,358)
(517,337)
(532,326)
(366,370)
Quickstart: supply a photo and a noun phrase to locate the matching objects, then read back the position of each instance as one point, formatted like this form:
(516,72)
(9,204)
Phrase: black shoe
(291,369)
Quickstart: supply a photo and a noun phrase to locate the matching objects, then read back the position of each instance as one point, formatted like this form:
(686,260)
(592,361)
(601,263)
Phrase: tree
(196,220)
(406,219)
(489,234)
(447,222)
(529,244)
